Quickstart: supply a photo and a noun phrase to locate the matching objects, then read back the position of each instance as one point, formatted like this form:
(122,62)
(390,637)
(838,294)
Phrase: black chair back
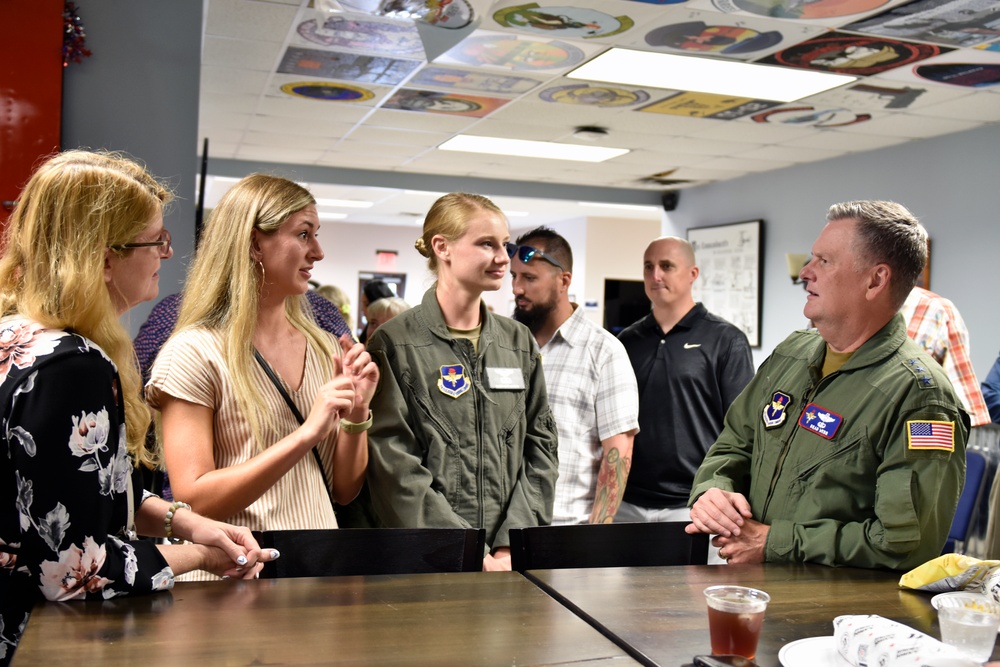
(350,551)
(606,545)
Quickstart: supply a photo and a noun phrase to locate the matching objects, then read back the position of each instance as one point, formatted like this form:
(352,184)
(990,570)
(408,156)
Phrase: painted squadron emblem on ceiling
(567,21)
(799,9)
(328,92)
(513,53)
(699,37)
(853,54)
(969,75)
(486,82)
(385,37)
(588,94)
(453,104)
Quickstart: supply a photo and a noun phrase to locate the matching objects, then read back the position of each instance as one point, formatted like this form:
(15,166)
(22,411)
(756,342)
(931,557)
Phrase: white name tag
(504,378)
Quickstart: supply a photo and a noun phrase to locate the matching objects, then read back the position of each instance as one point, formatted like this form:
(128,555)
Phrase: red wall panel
(30,89)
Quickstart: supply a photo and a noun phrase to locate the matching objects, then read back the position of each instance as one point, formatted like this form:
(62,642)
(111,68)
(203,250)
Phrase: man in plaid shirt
(935,324)
(590,382)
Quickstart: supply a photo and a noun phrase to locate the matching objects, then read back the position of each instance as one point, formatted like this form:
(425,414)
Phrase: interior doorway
(395,281)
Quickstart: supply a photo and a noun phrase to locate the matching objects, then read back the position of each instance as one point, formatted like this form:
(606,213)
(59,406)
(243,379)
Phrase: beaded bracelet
(356,427)
(168,521)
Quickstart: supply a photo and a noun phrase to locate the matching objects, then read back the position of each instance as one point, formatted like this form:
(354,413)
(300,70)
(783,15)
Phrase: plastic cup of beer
(970,625)
(735,614)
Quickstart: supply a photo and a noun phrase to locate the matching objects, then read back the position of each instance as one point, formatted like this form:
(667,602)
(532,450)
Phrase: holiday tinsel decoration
(74,36)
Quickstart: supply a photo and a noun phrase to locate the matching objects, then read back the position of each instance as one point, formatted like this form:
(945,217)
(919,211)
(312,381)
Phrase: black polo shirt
(687,380)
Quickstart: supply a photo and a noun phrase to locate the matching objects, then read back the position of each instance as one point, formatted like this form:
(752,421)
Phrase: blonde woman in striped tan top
(231,444)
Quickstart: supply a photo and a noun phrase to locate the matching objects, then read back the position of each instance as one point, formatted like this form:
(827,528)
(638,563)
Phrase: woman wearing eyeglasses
(83,246)
(463,434)
(246,361)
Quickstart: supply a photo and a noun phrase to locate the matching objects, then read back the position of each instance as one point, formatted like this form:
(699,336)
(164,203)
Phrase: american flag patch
(931,435)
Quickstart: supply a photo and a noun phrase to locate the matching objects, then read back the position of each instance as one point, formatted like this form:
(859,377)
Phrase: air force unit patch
(776,411)
(453,381)
(820,421)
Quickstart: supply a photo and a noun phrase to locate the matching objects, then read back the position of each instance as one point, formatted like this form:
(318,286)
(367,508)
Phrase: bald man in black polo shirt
(690,366)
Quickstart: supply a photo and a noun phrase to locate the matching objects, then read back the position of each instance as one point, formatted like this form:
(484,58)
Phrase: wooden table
(424,619)
(659,614)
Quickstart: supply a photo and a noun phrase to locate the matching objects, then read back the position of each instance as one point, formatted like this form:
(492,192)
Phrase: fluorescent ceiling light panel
(626,207)
(332,216)
(705,75)
(345,203)
(524,148)
(424,192)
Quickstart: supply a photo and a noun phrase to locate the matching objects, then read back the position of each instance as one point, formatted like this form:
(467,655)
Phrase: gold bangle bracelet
(356,427)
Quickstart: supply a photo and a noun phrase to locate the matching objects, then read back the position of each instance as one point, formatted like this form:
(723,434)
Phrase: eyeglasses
(526,253)
(162,242)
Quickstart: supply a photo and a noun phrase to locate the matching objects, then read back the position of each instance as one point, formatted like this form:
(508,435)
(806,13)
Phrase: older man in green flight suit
(848,446)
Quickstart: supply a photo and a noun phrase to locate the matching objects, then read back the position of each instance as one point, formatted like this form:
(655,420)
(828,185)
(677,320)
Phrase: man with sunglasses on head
(690,366)
(591,386)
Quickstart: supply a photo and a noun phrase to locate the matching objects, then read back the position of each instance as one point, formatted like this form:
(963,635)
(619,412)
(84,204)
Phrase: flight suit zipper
(807,397)
(471,360)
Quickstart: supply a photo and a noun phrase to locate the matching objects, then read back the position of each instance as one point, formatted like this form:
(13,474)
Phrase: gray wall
(138,93)
(949,182)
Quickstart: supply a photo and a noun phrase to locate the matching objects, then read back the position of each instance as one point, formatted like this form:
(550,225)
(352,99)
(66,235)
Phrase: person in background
(162,319)
(337,297)
(936,325)
(690,365)
(991,391)
(848,446)
(383,310)
(588,377)
(464,436)
(83,246)
(244,353)
(370,293)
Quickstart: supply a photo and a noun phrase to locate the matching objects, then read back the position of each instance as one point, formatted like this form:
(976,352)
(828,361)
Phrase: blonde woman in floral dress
(83,246)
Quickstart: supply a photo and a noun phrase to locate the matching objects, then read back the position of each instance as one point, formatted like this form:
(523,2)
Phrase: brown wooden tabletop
(659,614)
(462,619)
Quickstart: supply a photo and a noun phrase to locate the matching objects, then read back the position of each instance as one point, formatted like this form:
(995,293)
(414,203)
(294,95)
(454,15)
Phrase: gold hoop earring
(262,274)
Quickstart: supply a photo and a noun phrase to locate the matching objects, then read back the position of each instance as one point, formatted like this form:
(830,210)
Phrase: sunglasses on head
(526,253)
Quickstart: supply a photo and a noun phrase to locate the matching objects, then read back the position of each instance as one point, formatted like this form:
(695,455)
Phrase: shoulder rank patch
(820,421)
(920,372)
(453,381)
(930,435)
(776,411)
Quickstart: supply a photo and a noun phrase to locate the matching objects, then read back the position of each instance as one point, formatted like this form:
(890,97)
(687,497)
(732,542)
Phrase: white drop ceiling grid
(246,116)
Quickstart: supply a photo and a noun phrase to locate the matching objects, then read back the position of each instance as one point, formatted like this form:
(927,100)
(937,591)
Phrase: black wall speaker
(670,199)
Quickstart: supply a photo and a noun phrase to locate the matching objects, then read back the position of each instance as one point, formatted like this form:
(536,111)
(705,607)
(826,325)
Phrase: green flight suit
(463,448)
(830,464)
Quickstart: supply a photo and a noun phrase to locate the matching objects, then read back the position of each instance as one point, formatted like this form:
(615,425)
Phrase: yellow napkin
(954,572)
(866,639)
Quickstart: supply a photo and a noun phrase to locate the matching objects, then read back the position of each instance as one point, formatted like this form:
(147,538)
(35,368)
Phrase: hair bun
(421,247)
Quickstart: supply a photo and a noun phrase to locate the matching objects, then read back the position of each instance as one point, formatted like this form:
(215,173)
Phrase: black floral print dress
(64,473)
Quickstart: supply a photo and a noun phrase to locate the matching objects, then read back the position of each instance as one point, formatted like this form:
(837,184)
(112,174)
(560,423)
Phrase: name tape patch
(820,421)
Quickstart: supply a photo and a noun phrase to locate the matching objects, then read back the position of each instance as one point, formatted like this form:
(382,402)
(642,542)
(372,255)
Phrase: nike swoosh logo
(690,346)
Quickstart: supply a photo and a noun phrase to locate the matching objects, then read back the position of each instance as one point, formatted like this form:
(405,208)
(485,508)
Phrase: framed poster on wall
(730,258)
